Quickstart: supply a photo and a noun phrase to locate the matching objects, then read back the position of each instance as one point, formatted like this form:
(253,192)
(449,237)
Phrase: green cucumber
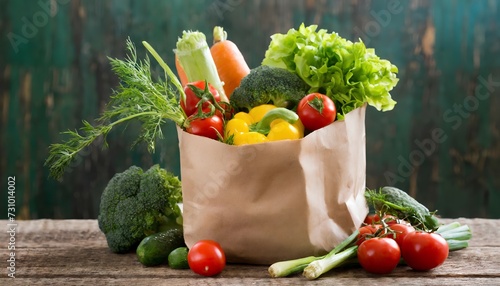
(154,249)
(177,259)
(397,202)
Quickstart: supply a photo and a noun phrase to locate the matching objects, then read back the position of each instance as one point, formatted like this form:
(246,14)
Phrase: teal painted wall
(441,143)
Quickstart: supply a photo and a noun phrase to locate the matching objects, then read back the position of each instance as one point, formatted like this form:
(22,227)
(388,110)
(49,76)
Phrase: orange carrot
(180,72)
(230,63)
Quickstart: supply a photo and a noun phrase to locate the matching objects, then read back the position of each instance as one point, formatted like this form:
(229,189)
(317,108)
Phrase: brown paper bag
(275,201)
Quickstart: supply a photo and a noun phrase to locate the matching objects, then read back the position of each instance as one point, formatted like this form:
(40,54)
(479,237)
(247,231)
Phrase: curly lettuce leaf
(349,73)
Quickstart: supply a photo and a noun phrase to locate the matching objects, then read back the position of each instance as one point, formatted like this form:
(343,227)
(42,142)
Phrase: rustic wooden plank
(32,232)
(51,264)
(62,252)
(375,281)
(79,260)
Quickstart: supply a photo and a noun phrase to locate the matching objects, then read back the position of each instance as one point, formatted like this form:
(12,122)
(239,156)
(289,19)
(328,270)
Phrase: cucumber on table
(394,201)
(154,249)
(177,259)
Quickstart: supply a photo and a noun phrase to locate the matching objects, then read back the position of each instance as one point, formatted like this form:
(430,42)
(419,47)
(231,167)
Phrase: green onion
(289,267)
(456,235)
(321,266)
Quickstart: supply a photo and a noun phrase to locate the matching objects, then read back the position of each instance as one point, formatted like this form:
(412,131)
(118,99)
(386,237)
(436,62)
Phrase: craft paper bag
(279,200)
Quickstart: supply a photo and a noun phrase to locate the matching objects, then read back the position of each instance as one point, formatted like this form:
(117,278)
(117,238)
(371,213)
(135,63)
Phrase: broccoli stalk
(269,85)
(136,204)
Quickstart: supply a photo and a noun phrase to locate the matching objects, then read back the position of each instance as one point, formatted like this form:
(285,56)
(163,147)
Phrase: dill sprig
(137,97)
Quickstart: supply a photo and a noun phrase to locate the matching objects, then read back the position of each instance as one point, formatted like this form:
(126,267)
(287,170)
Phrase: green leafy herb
(349,73)
(138,97)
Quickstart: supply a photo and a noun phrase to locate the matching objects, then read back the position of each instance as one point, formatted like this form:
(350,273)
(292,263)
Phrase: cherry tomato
(316,110)
(365,232)
(379,255)
(192,98)
(372,219)
(206,258)
(208,127)
(424,251)
(399,232)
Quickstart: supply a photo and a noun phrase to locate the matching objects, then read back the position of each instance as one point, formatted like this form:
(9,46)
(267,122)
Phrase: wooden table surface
(74,252)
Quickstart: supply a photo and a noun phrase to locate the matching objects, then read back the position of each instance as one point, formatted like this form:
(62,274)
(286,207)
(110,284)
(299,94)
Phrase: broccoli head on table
(269,85)
(136,204)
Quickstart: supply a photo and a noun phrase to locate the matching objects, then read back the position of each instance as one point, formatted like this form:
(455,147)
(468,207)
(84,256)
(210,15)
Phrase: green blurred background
(441,143)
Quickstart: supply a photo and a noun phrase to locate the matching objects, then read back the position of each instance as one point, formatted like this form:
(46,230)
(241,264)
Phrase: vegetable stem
(454,245)
(289,267)
(456,235)
(219,34)
(447,227)
(165,67)
(321,266)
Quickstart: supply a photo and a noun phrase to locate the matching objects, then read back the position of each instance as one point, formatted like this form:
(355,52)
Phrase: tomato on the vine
(399,232)
(194,93)
(206,258)
(424,251)
(210,127)
(316,110)
(379,255)
(365,232)
(372,219)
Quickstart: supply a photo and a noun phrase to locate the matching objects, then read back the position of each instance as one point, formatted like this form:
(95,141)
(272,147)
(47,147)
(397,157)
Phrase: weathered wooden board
(441,143)
(74,252)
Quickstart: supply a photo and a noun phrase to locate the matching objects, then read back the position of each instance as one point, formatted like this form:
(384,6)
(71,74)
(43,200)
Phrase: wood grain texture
(54,72)
(74,252)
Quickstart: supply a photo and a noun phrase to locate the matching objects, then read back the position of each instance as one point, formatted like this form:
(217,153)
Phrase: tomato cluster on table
(383,243)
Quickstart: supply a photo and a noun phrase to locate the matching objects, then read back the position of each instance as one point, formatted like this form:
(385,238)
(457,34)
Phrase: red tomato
(208,127)
(424,251)
(192,98)
(366,232)
(206,258)
(372,219)
(399,232)
(316,110)
(379,255)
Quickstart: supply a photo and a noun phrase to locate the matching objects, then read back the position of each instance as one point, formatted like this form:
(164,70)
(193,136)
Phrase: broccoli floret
(269,85)
(136,204)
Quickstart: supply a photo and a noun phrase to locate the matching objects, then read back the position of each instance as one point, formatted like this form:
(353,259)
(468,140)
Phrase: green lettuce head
(349,73)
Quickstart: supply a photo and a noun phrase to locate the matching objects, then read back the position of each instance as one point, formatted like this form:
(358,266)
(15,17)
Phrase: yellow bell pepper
(264,123)
(258,112)
(282,131)
(298,125)
(249,138)
(236,126)
(245,117)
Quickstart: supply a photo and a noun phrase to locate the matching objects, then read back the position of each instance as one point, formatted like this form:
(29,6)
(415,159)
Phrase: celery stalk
(195,58)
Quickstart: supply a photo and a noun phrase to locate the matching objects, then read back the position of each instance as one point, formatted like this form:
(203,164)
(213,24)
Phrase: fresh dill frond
(137,97)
